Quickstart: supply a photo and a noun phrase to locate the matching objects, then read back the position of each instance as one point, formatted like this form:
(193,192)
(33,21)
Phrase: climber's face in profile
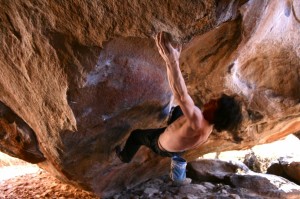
(209,110)
(224,113)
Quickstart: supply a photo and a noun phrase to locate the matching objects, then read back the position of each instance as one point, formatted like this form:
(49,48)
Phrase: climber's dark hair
(228,115)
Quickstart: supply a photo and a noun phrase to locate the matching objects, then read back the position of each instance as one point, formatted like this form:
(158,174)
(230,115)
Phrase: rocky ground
(43,185)
(162,188)
(27,181)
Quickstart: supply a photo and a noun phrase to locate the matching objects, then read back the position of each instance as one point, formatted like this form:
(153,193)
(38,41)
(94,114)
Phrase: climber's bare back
(179,136)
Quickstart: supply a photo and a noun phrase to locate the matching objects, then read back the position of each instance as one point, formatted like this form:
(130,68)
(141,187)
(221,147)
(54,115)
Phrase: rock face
(288,168)
(17,138)
(79,77)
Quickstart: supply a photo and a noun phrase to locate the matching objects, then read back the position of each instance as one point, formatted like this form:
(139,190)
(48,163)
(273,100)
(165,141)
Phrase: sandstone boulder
(297,134)
(213,170)
(78,77)
(239,176)
(269,186)
(286,167)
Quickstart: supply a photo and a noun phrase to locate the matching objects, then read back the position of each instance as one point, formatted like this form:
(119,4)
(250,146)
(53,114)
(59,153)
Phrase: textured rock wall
(81,75)
(263,71)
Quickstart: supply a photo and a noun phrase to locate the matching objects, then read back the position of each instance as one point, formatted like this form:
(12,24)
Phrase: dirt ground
(40,185)
(20,180)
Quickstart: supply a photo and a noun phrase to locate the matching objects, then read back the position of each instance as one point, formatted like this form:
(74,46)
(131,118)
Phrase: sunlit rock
(287,167)
(82,75)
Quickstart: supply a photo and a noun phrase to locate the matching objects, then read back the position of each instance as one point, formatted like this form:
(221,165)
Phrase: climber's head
(224,113)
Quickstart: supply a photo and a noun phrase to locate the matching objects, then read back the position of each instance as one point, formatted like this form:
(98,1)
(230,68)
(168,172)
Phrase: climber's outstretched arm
(171,56)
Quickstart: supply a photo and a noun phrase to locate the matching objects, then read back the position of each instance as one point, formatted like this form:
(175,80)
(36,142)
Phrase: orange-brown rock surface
(78,76)
(40,185)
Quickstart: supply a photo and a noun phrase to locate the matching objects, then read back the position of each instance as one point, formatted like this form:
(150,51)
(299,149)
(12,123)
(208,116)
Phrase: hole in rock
(18,138)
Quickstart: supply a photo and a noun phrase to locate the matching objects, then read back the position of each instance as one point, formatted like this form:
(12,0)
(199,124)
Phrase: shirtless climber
(188,126)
